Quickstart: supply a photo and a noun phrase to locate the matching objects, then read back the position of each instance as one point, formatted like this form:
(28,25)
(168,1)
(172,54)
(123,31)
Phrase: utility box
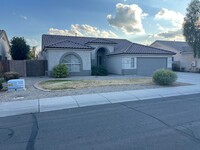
(16,85)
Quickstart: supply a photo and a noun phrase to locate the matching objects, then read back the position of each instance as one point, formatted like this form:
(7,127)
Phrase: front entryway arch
(101,57)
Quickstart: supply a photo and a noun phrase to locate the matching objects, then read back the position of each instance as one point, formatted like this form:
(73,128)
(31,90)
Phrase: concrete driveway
(186,77)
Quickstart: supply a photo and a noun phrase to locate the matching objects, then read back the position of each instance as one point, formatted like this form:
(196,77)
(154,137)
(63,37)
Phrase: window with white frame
(133,62)
(72,62)
(169,62)
(129,62)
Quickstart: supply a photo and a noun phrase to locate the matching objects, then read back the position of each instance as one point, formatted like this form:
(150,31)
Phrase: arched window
(73,63)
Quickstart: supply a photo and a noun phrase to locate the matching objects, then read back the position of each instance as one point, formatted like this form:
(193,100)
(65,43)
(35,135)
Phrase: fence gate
(36,67)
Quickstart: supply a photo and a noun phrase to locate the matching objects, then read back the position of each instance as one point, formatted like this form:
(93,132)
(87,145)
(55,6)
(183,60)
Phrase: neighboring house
(118,56)
(4,46)
(184,54)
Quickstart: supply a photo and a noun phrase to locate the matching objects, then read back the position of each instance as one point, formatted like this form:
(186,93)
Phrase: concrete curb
(36,85)
(67,102)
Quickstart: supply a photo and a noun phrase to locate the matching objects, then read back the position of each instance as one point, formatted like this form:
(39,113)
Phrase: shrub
(11,75)
(60,71)
(164,77)
(99,71)
(175,67)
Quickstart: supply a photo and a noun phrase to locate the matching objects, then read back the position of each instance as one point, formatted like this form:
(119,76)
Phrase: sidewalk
(66,102)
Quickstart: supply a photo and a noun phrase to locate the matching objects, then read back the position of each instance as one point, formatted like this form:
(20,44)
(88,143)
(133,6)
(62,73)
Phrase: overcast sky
(140,21)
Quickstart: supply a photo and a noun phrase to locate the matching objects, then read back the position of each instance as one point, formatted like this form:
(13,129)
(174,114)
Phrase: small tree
(32,53)
(191,27)
(19,48)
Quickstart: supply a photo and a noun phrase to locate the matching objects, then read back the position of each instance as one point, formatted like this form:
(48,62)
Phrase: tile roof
(68,44)
(102,41)
(178,45)
(141,49)
(121,46)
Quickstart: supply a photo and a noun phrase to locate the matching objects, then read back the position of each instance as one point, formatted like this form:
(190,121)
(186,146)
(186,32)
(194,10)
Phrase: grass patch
(79,84)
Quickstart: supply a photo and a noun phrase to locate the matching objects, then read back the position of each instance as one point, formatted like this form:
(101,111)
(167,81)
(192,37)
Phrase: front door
(101,57)
(99,60)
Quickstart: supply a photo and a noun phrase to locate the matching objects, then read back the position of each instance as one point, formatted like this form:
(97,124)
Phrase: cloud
(170,34)
(83,30)
(128,18)
(20,16)
(175,18)
(24,17)
(161,28)
(32,42)
(175,34)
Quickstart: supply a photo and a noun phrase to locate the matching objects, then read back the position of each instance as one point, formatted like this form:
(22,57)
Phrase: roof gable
(177,45)
(5,38)
(1,33)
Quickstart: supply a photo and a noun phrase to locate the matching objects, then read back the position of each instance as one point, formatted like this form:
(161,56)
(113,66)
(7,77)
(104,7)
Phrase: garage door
(146,66)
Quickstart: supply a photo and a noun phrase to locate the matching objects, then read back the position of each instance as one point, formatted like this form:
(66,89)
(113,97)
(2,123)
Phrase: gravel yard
(82,84)
(33,93)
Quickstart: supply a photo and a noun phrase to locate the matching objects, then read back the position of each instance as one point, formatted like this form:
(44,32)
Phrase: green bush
(60,71)
(99,71)
(11,75)
(164,77)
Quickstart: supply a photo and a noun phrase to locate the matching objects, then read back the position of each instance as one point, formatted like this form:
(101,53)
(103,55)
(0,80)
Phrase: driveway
(186,77)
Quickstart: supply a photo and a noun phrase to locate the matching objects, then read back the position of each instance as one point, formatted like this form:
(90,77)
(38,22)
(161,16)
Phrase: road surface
(158,124)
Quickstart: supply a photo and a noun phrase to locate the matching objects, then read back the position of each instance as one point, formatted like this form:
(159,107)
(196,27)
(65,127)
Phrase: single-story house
(4,46)
(118,56)
(184,57)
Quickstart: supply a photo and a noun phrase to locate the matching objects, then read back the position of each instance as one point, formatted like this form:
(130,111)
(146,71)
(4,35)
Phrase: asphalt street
(158,124)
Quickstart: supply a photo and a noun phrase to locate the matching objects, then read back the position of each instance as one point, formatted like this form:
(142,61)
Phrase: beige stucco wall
(4,48)
(114,64)
(185,59)
(54,55)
